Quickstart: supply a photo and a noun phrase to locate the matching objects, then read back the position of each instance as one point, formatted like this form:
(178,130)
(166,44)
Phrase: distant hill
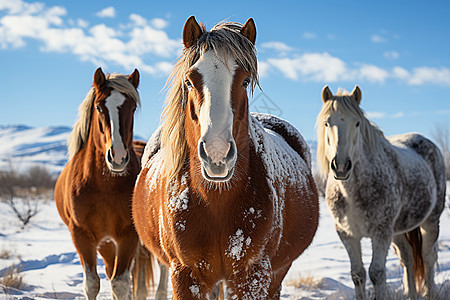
(22,147)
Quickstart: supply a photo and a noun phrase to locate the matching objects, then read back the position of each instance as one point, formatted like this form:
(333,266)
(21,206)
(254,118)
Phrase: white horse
(387,189)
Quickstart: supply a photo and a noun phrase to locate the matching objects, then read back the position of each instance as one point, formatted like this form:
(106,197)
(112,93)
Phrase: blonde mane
(224,39)
(345,104)
(80,131)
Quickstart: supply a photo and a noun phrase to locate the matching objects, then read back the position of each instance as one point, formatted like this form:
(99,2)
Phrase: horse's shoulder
(152,146)
(288,132)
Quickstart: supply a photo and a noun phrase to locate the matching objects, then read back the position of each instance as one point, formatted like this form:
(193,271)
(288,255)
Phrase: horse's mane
(224,39)
(344,103)
(80,131)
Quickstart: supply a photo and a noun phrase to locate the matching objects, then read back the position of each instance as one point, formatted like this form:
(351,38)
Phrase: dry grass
(12,278)
(305,282)
(5,254)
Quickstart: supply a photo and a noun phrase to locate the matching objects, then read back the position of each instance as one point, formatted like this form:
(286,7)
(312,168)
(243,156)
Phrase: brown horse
(93,192)
(223,196)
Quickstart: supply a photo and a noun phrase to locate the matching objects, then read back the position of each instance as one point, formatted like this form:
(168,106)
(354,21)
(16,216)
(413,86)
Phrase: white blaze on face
(113,103)
(216,114)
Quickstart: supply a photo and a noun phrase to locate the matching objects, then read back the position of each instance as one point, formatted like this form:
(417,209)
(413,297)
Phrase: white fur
(120,286)
(216,114)
(91,283)
(113,102)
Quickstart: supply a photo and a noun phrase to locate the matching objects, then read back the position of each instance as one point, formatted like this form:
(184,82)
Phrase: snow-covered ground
(50,267)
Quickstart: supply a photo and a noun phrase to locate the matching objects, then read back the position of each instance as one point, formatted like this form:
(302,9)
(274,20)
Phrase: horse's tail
(142,272)
(414,237)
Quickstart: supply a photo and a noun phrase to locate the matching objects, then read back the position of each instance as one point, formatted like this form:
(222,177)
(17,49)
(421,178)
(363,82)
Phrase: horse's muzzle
(217,171)
(113,165)
(341,171)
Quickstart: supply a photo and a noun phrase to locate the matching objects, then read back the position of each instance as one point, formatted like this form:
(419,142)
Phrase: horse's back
(432,156)
(288,132)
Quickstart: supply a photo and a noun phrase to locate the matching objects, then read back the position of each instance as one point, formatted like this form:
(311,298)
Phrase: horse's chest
(348,216)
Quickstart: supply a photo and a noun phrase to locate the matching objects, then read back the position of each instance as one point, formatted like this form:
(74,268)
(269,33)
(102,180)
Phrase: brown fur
(414,237)
(93,202)
(194,239)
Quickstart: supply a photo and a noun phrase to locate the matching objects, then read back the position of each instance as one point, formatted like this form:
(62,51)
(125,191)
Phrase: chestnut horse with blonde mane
(224,196)
(93,193)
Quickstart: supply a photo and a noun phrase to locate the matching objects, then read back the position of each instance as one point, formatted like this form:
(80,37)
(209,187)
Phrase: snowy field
(46,257)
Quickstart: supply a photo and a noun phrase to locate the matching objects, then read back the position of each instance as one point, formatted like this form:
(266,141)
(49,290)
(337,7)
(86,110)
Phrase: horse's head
(216,107)
(113,116)
(339,125)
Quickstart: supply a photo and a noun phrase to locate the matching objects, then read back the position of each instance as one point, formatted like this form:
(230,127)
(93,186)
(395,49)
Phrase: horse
(93,192)
(224,197)
(384,188)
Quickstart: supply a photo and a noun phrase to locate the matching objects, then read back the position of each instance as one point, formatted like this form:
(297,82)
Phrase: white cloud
(399,114)
(108,12)
(99,44)
(278,46)
(159,23)
(377,39)
(263,68)
(391,54)
(423,75)
(375,114)
(323,67)
(82,23)
(313,66)
(372,73)
(309,35)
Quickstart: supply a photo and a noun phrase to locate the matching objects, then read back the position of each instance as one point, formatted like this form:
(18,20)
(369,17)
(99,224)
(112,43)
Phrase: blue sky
(396,51)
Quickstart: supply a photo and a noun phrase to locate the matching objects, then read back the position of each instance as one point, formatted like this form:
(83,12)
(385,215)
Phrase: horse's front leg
(253,281)
(353,247)
(377,269)
(86,247)
(185,284)
(161,292)
(126,249)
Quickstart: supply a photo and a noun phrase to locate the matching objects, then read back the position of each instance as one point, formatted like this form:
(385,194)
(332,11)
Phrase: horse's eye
(99,109)
(357,124)
(246,82)
(326,124)
(188,83)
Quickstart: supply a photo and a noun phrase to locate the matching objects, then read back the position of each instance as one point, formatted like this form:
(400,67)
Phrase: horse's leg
(377,269)
(86,248)
(108,252)
(186,285)
(161,292)
(218,293)
(126,249)
(430,233)
(405,253)
(252,282)
(353,247)
(142,272)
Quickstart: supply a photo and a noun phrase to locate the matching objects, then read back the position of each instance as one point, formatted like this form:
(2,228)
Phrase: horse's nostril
(110,155)
(348,165)
(333,164)
(202,151)
(231,152)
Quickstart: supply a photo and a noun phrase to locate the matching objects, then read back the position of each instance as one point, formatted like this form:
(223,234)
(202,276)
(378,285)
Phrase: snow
(24,147)
(44,247)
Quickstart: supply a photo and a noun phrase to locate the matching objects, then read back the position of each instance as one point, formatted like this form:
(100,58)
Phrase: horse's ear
(249,30)
(356,94)
(99,79)
(326,94)
(134,78)
(191,32)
